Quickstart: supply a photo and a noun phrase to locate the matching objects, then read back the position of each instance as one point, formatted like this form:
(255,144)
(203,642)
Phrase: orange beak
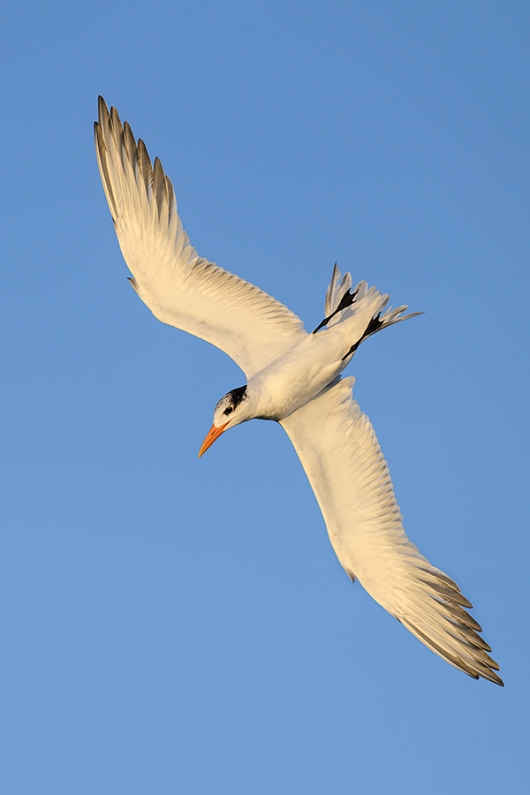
(213,434)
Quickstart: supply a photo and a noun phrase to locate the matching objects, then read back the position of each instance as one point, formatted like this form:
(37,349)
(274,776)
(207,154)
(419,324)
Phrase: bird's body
(298,376)
(294,378)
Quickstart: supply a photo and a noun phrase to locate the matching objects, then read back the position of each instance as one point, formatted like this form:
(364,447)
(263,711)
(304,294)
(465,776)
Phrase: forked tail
(342,303)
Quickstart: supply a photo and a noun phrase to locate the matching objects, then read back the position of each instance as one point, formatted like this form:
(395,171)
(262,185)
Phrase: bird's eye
(229,410)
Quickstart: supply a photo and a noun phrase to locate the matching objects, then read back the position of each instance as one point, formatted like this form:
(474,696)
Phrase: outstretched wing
(343,461)
(178,286)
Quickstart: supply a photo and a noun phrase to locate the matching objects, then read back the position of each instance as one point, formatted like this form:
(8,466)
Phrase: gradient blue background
(173,625)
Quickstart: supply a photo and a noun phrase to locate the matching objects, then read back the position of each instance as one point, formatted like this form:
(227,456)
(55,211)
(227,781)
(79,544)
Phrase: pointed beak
(213,434)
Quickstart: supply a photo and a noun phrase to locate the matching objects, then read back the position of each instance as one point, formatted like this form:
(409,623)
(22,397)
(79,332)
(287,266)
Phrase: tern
(294,378)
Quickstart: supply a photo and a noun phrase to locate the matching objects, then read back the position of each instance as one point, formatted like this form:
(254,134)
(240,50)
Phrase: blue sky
(174,625)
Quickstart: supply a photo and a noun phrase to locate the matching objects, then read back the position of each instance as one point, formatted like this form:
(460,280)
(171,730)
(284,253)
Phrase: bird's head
(231,410)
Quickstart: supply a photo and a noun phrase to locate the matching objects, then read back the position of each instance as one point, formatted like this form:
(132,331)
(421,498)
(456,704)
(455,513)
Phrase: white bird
(294,378)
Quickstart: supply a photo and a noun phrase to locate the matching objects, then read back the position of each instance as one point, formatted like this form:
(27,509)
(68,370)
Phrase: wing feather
(343,461)
(179,287)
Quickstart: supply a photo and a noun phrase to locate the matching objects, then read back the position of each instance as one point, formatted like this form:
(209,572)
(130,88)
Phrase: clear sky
(174,625)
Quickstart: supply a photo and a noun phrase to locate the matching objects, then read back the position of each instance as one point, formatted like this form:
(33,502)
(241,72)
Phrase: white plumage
(294,378)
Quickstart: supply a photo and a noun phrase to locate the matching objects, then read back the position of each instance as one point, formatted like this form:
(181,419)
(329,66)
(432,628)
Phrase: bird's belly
(296,378)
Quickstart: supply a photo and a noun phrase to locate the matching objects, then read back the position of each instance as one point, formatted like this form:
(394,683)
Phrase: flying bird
(293,377)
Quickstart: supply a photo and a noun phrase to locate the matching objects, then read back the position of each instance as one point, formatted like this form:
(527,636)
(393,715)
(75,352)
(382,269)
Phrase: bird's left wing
(179,287)
(343,461)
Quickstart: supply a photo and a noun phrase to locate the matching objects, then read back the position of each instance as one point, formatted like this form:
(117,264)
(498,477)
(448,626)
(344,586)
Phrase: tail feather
(336,290)
(342,303)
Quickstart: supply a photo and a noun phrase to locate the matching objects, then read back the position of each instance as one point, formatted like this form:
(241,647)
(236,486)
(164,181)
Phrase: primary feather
(340,453)
(179,287)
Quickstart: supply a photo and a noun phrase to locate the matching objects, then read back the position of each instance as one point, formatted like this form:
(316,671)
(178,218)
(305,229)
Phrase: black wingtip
(102,107)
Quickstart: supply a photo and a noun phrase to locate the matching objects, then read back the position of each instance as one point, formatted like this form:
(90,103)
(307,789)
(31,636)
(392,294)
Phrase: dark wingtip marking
(351,575)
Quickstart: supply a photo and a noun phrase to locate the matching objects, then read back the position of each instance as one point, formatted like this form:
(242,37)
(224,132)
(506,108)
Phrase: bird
(294,377)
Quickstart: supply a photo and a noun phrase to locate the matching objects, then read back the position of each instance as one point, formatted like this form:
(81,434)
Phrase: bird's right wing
(346,469)
(178,286)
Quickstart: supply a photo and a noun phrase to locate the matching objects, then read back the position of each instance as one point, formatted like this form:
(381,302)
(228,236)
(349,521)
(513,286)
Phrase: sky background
(173,625)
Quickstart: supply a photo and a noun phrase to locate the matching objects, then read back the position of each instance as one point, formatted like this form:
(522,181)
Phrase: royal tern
(294,378)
